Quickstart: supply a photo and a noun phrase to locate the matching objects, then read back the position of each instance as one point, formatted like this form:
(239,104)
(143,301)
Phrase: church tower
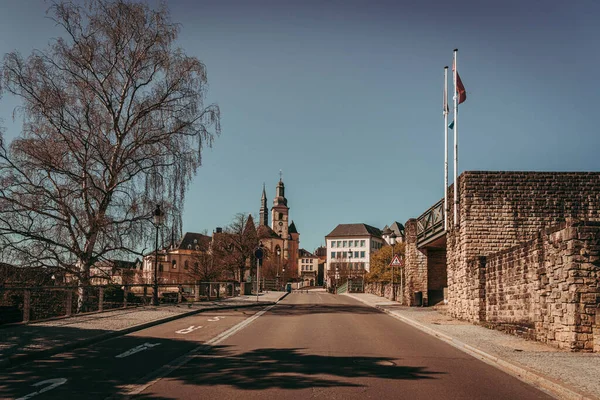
(264,210)
(280,211)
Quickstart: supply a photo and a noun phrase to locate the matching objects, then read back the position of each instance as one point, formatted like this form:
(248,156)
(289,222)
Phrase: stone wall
(436,275)
(415,266)
(499,210)
(383,289)
(547,288)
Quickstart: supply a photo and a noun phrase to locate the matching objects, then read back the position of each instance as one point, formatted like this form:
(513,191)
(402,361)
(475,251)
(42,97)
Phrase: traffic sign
(396,262)
(258,253)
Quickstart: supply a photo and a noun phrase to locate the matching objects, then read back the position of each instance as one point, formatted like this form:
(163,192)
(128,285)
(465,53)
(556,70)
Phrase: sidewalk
(566,375)
(25,342)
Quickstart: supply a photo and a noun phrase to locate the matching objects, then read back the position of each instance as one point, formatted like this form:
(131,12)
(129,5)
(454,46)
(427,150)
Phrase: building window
(332,255)
(356,254)
(173,264)
(362,254)
(345,244)
(280,216)
(333,243)
(339,243)
(160,267)
(186,265)
(362,243)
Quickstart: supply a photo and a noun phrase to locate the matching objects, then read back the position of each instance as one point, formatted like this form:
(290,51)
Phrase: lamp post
(392,243)
(278,265)
(158,220)
(349,264)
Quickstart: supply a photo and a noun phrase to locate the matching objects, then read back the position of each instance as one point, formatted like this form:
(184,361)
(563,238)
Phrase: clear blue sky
(345,98)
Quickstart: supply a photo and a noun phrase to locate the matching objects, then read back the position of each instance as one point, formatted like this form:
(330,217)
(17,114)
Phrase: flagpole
(455,140)
(445,148)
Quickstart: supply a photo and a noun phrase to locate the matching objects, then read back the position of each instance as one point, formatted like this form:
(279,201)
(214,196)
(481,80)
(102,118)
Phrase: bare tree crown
(114,123)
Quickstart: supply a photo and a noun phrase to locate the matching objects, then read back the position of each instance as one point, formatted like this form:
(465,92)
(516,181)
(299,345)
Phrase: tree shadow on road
(291,368)
(300,309)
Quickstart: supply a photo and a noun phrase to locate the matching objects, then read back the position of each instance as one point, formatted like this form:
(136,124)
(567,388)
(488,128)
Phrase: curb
(15,360)
(518,372)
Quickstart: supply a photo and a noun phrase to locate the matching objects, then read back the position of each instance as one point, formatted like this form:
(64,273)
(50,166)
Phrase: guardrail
(430,223)
(26,304)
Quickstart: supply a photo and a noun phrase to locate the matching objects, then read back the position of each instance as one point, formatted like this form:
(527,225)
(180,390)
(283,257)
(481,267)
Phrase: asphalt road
(323,346)
(311,345)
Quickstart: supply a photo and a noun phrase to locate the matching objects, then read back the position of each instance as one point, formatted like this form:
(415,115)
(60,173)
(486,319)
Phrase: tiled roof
(398,228)
(304,253)
(354,230)
(191,240)
(321,251)
(264,232)
(292,228)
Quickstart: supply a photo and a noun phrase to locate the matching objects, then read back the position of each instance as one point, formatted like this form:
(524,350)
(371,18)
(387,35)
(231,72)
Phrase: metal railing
(431,222)
(26,304)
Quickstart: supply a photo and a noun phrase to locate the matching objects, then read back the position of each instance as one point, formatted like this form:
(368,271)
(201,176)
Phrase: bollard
(26,305)
(125,293)
(197,292)
(145,294)
(101,299)
(69,303)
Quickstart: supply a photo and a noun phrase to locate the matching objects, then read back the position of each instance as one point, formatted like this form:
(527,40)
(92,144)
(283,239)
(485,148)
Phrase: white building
(349,248)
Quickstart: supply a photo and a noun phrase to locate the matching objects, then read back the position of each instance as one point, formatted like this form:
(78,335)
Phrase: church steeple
(280,210)
(264,210)
(280,192)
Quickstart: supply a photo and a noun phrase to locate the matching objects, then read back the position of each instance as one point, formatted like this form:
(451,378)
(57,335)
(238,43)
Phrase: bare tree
(206,267)
(241,242)
(114,123)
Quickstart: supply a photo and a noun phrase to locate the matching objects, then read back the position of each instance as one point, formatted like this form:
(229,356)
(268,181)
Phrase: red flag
(460,88)
(462,93)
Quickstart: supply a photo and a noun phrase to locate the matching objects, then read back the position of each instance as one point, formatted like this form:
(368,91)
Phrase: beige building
(308,267)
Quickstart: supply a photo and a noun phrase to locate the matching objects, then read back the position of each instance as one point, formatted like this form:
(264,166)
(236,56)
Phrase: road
(310,345)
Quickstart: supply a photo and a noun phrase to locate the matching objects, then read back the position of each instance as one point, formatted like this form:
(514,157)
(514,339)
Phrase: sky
(345,97)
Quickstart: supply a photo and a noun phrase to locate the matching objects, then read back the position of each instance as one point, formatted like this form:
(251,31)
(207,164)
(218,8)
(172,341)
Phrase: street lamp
(278,265)
(392,243)
(349,264)
(158,221)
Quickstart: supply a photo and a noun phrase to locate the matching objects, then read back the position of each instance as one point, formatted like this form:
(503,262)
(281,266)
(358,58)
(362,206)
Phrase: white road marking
(53,383)
(137,349)
(188,330)
(156,376)
(215,319)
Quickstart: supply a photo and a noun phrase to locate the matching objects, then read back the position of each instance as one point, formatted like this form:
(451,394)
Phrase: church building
(281,239)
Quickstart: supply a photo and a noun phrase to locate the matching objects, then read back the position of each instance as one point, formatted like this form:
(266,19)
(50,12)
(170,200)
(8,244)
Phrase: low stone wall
(547,288)
(383,289)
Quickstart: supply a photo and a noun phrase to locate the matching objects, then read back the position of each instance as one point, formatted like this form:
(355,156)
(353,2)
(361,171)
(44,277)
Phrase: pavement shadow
(290,368)
(284,309)
(99,371)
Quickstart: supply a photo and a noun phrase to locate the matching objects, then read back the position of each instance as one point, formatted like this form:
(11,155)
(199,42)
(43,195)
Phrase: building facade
(349,248)
(308,268)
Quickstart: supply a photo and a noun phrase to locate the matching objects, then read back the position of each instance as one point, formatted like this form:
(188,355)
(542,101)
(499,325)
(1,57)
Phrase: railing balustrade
(27,304)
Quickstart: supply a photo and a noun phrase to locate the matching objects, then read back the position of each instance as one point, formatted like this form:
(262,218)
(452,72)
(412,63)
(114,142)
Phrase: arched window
(160,267)
(173,264)
(186,265)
